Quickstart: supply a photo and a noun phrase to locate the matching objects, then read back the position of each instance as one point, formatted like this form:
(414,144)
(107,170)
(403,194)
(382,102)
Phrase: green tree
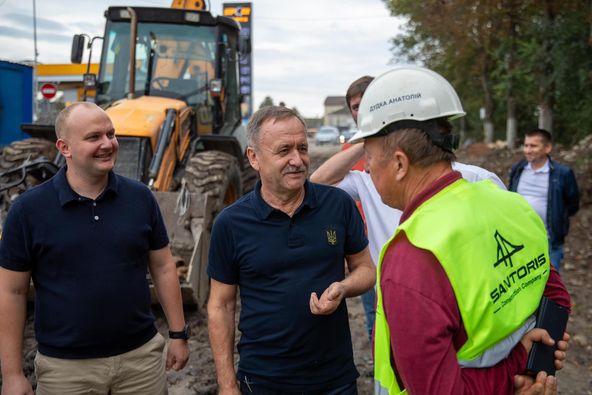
(456,38)
(268,101)
(532,56)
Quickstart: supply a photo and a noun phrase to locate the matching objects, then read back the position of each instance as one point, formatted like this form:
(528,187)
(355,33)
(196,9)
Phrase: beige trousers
(140,371)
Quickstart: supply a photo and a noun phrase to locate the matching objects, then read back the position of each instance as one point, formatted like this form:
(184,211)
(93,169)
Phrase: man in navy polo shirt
(86,238)
(284,246)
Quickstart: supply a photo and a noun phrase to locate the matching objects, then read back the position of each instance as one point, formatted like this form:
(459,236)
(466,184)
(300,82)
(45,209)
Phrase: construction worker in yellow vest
(460,280)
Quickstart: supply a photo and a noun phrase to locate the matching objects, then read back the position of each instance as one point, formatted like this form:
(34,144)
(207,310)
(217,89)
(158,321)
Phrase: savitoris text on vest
(516,275)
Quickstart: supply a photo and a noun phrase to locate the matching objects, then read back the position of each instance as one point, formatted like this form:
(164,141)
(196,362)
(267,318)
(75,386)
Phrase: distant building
(312,124)
(67,77)
(336,113)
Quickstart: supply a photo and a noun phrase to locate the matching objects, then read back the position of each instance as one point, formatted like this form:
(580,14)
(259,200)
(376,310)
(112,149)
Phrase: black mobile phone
(553,318)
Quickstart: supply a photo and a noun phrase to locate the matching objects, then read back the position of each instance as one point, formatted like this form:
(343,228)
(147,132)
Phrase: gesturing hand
(329,301)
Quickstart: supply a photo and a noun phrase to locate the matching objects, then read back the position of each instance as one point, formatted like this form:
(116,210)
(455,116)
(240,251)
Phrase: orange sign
(239,13)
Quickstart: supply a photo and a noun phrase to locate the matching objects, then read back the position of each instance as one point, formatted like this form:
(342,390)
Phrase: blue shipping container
(16,100)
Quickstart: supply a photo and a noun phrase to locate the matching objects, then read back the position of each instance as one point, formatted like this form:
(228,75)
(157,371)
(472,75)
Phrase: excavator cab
(182,54)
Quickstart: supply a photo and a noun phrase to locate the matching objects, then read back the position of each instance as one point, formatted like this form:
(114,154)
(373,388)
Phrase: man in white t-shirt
(381,220)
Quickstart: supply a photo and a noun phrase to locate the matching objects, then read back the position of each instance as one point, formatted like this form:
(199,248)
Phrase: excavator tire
(215,174)
(17,152)
(212,180)
(249,177)
(14,155)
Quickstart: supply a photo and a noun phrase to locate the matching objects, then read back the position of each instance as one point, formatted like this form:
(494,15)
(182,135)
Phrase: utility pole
(35,62)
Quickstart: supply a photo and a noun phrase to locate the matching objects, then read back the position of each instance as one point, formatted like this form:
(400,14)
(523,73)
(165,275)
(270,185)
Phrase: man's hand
(542,385)
(561,352)
(177,354)
(329,301)
(536,335)
(16,385)
(542,336)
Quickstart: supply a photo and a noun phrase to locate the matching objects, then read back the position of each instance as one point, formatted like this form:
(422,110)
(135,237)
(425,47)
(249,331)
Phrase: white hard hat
(405,93)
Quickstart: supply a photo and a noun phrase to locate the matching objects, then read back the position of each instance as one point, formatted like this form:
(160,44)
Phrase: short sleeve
(221,260)
(159,237)
(473,173)
(349,185)
(356,239)
(15,251)
(494,178)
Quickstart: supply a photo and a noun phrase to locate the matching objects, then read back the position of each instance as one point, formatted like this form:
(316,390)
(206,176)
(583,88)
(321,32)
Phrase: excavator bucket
(188,218)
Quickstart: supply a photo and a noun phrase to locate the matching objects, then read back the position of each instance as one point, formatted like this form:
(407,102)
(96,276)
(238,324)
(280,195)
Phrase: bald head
(62,123)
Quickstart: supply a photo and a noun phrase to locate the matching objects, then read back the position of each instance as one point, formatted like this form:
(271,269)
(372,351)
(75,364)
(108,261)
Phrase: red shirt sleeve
(556,291)
(427,330)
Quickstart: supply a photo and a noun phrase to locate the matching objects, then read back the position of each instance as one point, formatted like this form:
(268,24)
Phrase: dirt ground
(575,379)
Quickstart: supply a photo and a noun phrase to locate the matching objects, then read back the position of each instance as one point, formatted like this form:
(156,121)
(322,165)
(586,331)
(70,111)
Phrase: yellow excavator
(168,78)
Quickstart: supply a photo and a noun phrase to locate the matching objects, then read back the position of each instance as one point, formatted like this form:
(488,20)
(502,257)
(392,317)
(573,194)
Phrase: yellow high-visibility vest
(494,250)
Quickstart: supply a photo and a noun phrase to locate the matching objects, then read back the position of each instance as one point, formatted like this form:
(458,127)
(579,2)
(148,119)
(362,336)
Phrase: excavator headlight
(215,87)
(192,17)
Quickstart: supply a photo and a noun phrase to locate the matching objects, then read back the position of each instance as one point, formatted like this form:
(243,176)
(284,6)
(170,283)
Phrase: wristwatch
(184,334)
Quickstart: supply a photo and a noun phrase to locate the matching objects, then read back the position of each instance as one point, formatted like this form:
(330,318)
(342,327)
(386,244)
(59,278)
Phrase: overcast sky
(303,50)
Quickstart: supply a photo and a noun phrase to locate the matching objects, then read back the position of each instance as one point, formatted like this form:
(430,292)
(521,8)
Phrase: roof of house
(335,101)
(64,72)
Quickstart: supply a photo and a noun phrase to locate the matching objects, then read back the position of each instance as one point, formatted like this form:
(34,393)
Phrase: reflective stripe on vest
(496,261)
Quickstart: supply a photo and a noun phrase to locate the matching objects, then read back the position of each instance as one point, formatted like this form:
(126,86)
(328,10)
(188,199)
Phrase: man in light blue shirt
(534,185)
(549,187)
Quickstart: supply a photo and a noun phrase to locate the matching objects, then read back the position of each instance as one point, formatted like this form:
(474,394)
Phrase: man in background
(550,188)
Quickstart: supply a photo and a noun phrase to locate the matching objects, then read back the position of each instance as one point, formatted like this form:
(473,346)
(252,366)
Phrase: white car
(327,135)
(346,135)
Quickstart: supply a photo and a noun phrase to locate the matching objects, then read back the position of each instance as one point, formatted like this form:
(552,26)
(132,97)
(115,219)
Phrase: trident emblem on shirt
(331,237)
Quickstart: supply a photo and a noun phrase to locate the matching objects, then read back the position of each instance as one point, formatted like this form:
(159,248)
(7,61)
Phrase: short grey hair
(61,123)
(264,114)
(418,146)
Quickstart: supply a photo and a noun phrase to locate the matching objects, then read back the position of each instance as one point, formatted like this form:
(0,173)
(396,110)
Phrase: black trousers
(249,388)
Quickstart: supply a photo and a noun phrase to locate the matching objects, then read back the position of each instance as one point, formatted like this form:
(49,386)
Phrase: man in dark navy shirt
(284,246)
(86,238)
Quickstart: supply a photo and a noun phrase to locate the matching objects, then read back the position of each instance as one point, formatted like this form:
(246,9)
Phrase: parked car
(327,135)
(346,135)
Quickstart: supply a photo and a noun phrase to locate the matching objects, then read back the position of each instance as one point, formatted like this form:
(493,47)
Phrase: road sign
(49,90)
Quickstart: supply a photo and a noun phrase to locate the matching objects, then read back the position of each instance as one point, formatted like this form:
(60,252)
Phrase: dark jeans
(250,388)
(369,303)
(556,256)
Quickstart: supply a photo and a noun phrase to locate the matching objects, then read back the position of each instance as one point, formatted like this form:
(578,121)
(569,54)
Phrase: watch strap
(184,334)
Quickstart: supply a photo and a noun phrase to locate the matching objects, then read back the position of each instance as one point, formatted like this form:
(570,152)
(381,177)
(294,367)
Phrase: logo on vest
(516,279)
(331,237)
(505,250)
